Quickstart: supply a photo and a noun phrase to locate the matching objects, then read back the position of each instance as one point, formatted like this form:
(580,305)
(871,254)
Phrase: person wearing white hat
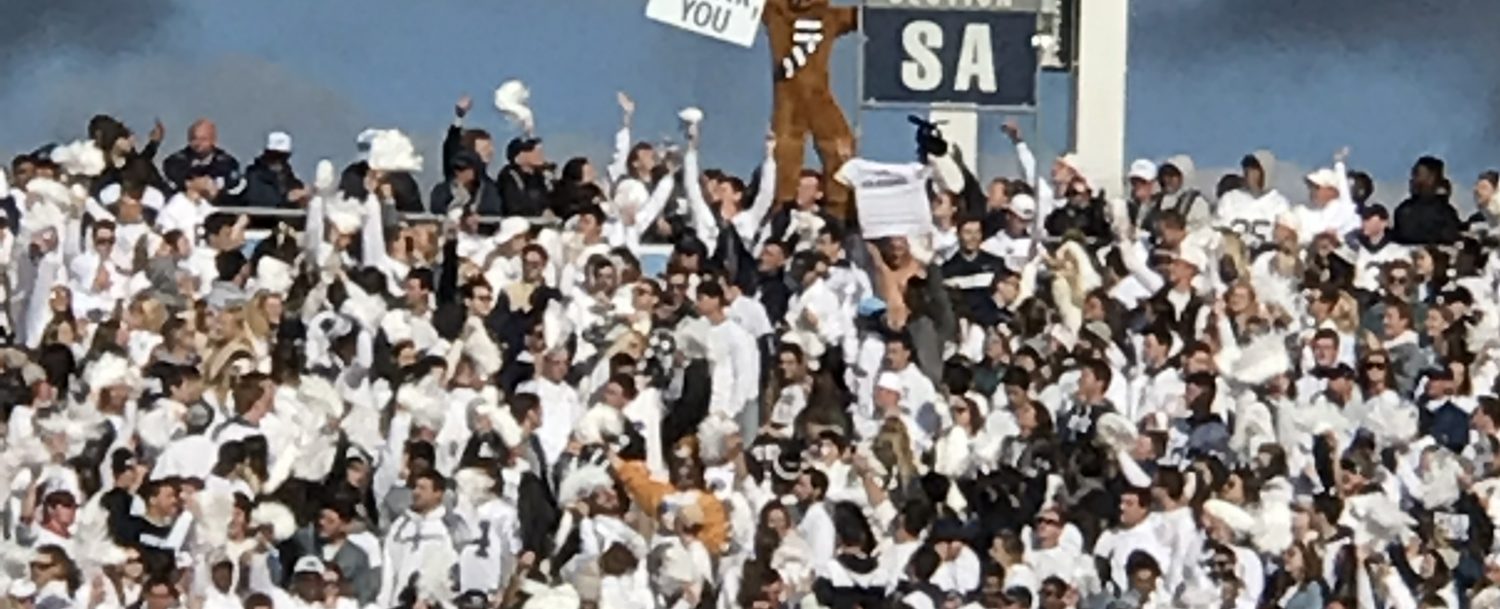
(1330,207)
(1012,243)
(1189,310)
(1142,183)
(270,181)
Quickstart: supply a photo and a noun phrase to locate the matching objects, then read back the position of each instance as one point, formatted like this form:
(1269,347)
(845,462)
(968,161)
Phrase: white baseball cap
(279,141)
(1023,205)
(1324,178)
(1194,257)
(1143,169)
(308,564)
(890,381)
(510,228)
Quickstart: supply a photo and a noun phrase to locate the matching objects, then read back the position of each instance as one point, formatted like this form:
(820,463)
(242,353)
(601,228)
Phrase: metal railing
(422,217)
(259,230)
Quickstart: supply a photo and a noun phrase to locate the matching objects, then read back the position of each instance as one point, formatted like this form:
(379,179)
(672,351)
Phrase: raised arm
(1341,173)
(704,223)
(765,191)
(1028,166)
(654,205)
(372,233)
(453,140)
(619,164)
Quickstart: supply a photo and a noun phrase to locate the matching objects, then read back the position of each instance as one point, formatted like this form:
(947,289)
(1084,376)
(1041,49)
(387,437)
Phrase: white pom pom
(391,150)
(511,99)
(691,115)
(326,178)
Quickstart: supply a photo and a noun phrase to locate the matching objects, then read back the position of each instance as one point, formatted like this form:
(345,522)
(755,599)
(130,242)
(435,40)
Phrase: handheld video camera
(930,140)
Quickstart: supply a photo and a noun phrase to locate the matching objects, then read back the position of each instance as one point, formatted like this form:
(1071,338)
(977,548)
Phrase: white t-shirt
(892,197)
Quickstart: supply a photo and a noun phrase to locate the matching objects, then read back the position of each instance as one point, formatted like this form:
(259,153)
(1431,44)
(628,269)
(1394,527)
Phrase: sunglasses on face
(1375,365)
(1046,521)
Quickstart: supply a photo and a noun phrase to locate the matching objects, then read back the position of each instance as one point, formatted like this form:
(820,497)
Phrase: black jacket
(1427,220)
(221,165)
(1089,221)
(267,184)
(403,187)
(523,194)
(487,196)
(970,279)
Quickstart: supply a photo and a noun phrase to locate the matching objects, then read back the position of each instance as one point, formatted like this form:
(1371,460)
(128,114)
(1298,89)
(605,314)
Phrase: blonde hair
(1233,247)
(1345,314)
(623,344)
(893,434)
(149,313)
(255,315)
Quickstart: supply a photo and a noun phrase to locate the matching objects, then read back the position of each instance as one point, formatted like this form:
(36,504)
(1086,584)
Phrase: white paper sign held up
(733,21)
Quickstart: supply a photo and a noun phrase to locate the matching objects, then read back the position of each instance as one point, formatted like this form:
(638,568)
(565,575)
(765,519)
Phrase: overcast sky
(1213,78)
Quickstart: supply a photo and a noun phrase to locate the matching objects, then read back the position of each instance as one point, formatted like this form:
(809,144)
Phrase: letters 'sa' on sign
(950,52)
(734,21)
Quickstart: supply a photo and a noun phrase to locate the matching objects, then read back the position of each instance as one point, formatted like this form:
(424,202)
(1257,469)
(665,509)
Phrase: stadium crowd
(656,385)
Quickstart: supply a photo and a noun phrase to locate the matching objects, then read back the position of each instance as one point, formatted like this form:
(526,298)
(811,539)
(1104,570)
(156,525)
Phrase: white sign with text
(733,21)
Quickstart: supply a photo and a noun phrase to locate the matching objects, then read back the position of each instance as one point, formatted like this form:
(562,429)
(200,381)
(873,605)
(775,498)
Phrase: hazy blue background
(1214,78)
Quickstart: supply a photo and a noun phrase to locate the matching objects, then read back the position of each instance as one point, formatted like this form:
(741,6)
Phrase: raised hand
(1012,130)
(627,105)
(462,106)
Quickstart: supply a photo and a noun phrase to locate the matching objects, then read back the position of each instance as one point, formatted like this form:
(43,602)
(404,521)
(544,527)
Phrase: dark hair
(1171,482)
(343,509)
(850,527)
(711,290)
(1142,495)
(627,385)
(466,291)
(835,231)
(432,477)
(924,563)
(593,211)
(1100,370)
(818,480)
(216,223)
(471,137)
(258,600)
(1139,560)
(532,248)
(521,404)
(229,264)
(247,392)
(1326,334)
(916,516)
(423,276)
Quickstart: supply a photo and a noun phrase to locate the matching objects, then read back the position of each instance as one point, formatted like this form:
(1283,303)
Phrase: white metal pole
(1099,98)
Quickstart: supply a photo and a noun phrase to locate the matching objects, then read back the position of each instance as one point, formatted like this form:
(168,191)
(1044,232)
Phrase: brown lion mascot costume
(801,34)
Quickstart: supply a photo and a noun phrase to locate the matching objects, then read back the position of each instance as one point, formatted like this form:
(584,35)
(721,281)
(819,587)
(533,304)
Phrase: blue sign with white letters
(935,56)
